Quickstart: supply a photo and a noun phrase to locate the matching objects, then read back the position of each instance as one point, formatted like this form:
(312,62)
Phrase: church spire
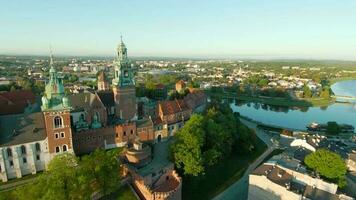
(51,63)
(54,96)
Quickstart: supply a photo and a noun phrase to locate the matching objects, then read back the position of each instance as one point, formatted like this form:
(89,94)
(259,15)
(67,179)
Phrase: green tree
(328,164)
(101,169)
(187,148)
(333,128)
(307,92)
(325,93)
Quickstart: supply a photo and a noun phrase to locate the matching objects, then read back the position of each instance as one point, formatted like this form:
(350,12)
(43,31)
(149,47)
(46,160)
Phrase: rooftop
(159,161)
(21,128)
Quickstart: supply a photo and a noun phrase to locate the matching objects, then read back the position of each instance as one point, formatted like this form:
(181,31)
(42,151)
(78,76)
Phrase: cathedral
(80,123)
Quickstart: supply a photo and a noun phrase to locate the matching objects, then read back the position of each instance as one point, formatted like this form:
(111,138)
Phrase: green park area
(280,101)
(219,177)
(213,150)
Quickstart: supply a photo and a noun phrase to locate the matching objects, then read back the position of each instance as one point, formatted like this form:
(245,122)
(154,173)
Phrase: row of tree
(69,177)
(207,138)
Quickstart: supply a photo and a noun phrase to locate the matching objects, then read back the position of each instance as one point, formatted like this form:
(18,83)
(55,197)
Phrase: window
(124,133)
(38,147)
(24,160)
(62,134)
(64,148)
(9,152)
(117,135)
(38,157)
(23,150)
(58,122)
(57,150)
(131,132)
(56,135)
(11,163)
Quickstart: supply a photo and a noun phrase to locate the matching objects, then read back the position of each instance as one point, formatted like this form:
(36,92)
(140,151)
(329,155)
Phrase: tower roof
(54,98)
(101,76)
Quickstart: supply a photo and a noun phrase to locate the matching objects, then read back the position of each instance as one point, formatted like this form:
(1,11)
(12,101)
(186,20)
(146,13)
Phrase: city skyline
(257,29)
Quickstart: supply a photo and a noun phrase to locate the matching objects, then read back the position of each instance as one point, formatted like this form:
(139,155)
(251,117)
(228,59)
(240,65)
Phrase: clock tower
(56,111)
(124,86)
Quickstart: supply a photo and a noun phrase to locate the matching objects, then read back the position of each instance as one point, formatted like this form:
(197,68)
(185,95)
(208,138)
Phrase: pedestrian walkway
(11,185)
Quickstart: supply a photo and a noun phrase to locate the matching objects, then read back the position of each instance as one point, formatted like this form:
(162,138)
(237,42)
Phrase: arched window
(58,122)
(57,150)
(38,147)
(64,148)
(23,150)
(9,152)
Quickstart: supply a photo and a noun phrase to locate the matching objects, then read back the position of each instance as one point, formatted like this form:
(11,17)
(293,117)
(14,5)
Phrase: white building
(23,147)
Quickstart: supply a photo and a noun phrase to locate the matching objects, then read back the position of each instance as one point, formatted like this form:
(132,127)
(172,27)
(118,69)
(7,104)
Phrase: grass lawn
(307,102)
(220,176)
(279,101)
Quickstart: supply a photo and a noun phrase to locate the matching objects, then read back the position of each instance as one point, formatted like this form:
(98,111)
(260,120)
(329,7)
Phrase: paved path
(8,186)
(239,190)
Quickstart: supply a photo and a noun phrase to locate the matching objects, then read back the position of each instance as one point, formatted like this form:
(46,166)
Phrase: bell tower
(124,85)
(56,110)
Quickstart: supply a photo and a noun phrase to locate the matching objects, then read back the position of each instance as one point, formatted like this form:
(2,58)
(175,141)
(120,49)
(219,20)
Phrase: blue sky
(323,29)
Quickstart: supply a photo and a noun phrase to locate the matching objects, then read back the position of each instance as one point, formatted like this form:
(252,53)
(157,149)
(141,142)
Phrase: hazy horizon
(256,29)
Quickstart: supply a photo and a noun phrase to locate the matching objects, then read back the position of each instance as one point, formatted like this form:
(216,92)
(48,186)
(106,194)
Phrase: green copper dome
(54,97)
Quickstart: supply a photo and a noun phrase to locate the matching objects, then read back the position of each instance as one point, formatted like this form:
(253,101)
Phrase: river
(299,118)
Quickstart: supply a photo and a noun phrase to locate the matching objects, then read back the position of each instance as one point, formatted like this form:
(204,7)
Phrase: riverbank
(277,101)
(335,80)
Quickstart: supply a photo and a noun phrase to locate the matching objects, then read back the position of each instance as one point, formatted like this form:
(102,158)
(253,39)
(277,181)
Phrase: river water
(299,118)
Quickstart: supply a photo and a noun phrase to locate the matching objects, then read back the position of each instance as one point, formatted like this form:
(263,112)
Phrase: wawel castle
(34,130)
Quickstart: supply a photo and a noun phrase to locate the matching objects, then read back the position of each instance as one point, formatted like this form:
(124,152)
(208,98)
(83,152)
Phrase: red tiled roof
(172,107)
(181,82)
(15,102)
(195,99)
(101,76)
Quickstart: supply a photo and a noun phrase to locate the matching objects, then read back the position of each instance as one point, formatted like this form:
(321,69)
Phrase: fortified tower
(103,84)
(56,111)
(124,86)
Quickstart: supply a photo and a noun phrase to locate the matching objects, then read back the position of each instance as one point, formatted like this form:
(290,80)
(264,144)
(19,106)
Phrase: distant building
(103,83)
(82,122)
(180,86)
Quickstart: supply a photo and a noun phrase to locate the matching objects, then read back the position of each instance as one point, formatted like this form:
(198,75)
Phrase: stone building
(80,123)
(103,83)
(152,175)
(173,115)
(180,86)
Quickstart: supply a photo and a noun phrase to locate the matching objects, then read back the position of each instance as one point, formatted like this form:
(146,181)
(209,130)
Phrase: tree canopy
(328,164)
(206,138)
(69,177)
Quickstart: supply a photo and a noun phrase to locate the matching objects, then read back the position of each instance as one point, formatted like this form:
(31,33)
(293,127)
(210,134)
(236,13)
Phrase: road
(239,190)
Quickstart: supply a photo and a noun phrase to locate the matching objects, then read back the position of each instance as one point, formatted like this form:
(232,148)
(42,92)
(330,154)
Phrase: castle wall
(23,164)
(125,99)
(89,140)
(125,132)
(146,133)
